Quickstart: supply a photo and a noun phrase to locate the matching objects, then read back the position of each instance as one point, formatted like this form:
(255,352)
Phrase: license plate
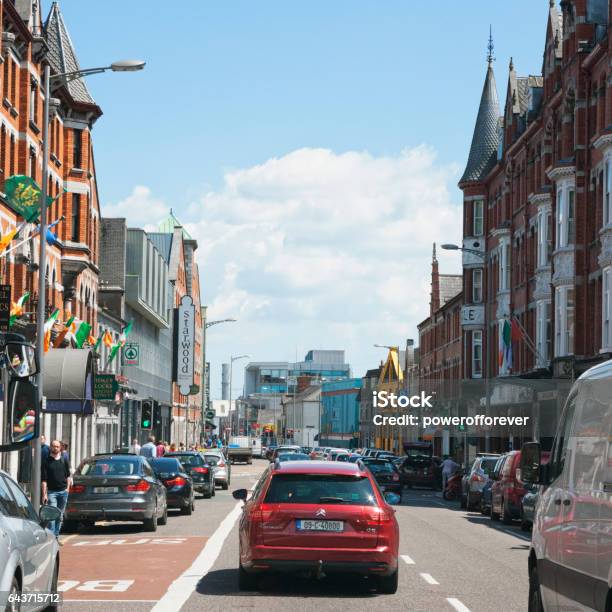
(106,489)
(312,525)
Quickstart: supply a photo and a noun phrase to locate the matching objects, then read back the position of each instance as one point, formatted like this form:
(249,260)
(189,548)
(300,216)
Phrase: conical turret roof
(483,151)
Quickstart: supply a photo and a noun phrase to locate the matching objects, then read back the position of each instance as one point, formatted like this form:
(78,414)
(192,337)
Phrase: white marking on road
(408,560)
(459,606)
(182,588)
(429,579)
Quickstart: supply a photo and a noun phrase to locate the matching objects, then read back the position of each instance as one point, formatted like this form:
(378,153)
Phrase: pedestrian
(135,447)
(181,447)
(56,480)
(65,452)
(149,449)
(449,467)
(44,448)
(173,448)
(161,449)
(219,443)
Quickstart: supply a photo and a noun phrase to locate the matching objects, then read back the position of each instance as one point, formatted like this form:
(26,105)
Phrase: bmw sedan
(179,486)
(318,517)
(29,552)
(116,488)
(200,471)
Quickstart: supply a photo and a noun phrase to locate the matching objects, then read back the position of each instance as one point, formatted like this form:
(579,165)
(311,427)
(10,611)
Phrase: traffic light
(146,415)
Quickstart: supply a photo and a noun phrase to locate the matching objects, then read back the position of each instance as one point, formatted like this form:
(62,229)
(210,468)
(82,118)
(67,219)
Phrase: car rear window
(319,489)
(165,465)
(488,465)
(190,460)
(108,467)
(293,457)
(377,467)
(212,459)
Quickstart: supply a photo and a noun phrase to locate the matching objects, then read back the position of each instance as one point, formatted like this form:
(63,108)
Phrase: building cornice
(557,173)
(604,141)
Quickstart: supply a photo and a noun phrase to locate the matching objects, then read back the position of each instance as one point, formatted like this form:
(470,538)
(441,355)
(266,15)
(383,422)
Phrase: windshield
(108,467)
(376,467)
(320,488)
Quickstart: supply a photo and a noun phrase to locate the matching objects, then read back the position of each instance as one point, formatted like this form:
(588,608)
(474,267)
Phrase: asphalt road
(451,560)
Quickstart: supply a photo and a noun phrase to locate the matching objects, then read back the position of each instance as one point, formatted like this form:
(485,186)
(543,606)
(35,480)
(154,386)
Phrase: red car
(507,490)
(318,517)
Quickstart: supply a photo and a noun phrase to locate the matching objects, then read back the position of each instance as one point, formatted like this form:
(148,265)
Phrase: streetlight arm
(211,323)
(77,74)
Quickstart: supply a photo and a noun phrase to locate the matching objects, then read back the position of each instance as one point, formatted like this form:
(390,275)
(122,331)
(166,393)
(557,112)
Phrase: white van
(570,559)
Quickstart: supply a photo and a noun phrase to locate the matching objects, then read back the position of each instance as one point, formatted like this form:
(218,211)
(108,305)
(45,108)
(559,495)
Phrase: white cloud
(140,209)
(319,250)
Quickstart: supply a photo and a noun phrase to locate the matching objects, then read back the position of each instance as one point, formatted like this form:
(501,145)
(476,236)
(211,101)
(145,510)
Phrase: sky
(311,147)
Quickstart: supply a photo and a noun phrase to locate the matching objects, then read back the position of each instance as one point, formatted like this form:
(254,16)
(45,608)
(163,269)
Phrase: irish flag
(81,332)
(47,328)
(121,343)
(17,308)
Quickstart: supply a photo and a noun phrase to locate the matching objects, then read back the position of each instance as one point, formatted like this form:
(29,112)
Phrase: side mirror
(530,462)
(48,514)
(20,417)
(392,498)
(240,494)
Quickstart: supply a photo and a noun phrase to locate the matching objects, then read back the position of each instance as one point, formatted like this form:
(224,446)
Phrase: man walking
(135,447)
(56,481)
(149,450)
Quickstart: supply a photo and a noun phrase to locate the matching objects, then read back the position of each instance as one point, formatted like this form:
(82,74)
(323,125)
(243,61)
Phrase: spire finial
(511,66)
(434,252)
(490,57)
(551,3)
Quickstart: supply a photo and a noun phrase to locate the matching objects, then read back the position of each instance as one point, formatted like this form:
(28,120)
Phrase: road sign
(5,307)
(131,354)
(210,414)
(105,387)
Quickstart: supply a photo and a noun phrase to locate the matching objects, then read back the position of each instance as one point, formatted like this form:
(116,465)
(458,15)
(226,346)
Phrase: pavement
(451,560)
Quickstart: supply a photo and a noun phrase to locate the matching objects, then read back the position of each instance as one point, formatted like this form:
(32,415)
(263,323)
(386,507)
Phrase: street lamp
(394,348)
(121,66)
(232,359)
(211,323)
(483,256)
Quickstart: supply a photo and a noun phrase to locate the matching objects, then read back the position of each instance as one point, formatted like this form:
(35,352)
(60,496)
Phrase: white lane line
(407,560)
(429,579)
(459,606)
(182,588)
(517,535)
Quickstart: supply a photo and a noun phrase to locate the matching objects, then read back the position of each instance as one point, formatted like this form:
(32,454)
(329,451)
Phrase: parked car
(531,497)
(318,517)
(570,558)
(29,552)
(475,479)
(269,451)
(485,498)
(282,457)
(201,472)
(116,488)
(419,467)
(335,453)
(507,490)
(178,483)
(287,448)
(222,468)
(385,474)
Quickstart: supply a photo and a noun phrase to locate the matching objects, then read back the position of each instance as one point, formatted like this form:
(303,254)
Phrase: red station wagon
(507,490)
(318,517)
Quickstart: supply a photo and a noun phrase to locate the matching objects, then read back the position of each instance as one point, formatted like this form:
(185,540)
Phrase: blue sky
(233,89)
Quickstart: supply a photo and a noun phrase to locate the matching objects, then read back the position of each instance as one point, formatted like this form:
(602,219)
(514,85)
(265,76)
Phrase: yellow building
(391,380)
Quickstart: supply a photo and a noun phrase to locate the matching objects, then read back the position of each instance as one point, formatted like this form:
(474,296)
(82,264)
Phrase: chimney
(435,284)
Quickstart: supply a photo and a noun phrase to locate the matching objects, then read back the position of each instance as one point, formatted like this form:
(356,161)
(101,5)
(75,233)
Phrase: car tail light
(77,488)
(140,487)
(258,517)
(221,464)
(200,470)
(176,482)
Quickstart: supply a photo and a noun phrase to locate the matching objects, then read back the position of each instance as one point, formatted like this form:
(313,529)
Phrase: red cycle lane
(139,568)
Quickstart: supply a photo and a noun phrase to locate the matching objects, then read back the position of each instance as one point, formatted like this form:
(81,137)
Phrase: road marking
(459,606)
(182,588)
(429,579)
(407,560)
(68,538)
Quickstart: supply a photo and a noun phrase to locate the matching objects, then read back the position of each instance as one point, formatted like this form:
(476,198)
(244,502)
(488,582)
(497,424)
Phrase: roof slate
(62,55)
(483,151)
(450,286)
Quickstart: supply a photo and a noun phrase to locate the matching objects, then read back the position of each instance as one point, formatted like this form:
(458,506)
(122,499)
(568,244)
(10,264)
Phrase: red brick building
(72,266)
(537,208)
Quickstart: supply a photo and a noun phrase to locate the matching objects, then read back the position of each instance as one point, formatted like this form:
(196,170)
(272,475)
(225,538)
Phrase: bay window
(543,332)
(477,286)
(504,267)
(544,237)
(566,216)
(478,218)
(476,354)
(564,321)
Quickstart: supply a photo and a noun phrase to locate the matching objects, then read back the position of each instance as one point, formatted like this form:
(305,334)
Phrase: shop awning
(68,381)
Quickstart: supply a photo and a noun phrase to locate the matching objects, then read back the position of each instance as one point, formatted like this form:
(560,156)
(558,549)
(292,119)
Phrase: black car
(178,483)
(202,474)
(385,473)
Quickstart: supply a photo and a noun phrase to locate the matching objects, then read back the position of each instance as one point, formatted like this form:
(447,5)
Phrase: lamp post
(237,419)
(122,66)
(397,350)
(455,247)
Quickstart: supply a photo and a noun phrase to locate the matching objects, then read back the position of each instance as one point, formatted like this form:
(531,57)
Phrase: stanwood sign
(184,347)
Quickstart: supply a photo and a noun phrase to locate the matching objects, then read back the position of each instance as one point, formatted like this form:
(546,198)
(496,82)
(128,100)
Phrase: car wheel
(14,593)
(469,504)
(494,515)
(463,503)
(187,510)
(506,516)
(388,584)
(225,486)
(207,494)
(151,524)
(525,525)
(193,503)
(535,596)
(163,520)
(214,492)
(53,589)
(246,581)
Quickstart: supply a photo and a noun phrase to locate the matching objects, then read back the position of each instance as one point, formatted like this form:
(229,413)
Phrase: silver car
(29,552)
(221,466)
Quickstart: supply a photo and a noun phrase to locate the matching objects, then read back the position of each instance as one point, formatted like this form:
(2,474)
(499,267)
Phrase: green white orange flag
(6,240)
(82,333)
(17,308)
(107,339)
(63,333)
(48,326)
(125,333)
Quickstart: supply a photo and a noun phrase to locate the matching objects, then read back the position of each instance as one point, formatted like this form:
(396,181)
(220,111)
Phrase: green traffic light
(146,424)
